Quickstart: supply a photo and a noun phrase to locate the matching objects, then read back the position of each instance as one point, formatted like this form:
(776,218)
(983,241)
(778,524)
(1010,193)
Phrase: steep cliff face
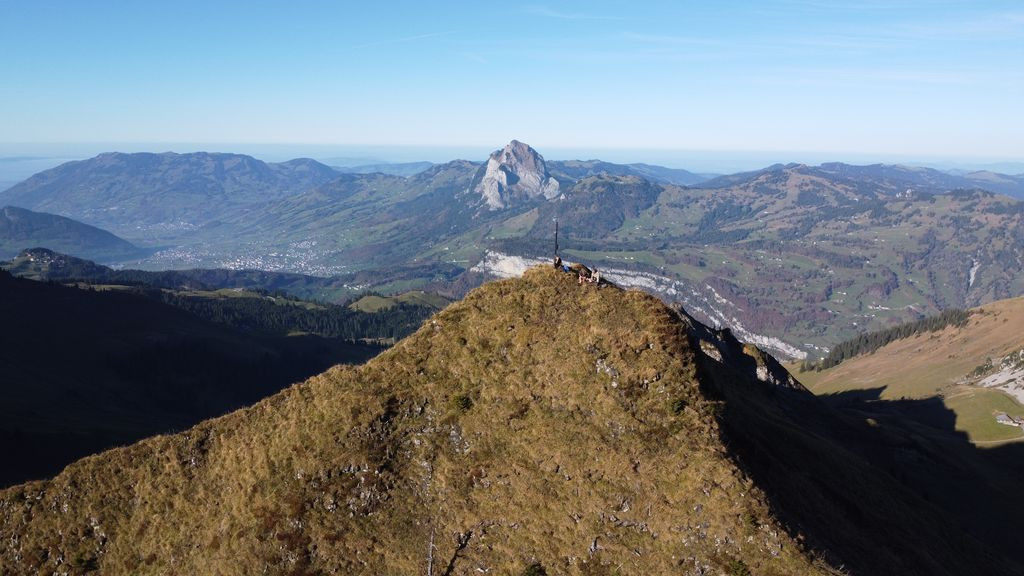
(514,174)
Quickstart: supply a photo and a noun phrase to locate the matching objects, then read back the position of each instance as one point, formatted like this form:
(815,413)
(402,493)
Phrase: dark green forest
(279,314)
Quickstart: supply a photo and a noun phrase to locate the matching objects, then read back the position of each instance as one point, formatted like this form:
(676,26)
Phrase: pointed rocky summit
(515,173)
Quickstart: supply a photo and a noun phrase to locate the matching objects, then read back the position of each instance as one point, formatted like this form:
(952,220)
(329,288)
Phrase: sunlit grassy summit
(537,424)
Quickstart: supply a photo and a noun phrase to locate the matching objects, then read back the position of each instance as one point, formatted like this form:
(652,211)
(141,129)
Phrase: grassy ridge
(375,302)
(489,432)
(537,424)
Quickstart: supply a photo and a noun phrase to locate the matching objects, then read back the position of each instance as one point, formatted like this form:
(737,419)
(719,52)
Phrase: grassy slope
(375,303)
(936,363)
(975,408)
(534,420)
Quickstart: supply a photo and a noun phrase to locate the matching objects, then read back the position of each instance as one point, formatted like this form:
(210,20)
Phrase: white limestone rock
(514,174)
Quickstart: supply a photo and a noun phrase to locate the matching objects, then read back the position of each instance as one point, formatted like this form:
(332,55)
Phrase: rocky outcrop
(514,174)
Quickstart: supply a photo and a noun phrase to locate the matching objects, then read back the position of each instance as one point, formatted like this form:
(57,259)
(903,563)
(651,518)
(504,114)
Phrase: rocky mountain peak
(515,173)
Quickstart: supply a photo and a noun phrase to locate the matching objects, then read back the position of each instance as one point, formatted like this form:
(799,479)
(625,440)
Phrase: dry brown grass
(922,365)
(937,363)
(535,421)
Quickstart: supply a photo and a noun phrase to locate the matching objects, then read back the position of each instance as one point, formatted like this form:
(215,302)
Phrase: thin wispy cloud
(861,6)
(857,40)
(690,46)
(927,25)
(404,39)
(866,76)
(867,6)
(671,40)
(549,13)
(994,25)
(474,57)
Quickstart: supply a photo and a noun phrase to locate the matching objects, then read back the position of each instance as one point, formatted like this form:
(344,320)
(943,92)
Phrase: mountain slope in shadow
(85,370)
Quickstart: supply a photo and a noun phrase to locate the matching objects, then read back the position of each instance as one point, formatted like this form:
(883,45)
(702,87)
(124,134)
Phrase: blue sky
(838,79)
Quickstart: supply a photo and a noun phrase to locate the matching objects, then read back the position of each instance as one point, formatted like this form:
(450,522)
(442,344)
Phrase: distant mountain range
(398,169)
(892,179)
(794,257)
(152,196)
(156,195)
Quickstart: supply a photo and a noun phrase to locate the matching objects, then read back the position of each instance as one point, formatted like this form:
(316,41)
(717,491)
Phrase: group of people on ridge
(585,275)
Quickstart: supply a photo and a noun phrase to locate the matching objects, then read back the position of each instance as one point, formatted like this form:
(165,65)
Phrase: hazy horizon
(905,81)
(20,161)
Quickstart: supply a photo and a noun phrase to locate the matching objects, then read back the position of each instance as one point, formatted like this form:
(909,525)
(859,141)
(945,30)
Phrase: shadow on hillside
(930,412)
(875,486)
(133,394)
(82,371)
